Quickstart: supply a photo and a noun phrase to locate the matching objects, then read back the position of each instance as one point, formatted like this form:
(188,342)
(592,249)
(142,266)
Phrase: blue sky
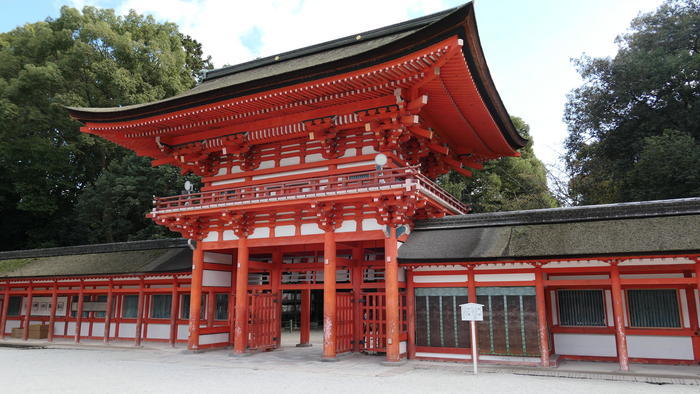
(528,44)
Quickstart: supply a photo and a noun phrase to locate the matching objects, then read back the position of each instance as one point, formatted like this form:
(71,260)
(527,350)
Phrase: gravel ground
(291,370)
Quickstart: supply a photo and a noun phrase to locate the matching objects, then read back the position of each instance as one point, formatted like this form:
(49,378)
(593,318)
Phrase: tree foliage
(634,124)
(91,58)
(505,184)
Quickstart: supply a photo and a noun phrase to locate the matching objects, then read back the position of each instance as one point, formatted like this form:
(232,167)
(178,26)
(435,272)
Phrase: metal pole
(474,357)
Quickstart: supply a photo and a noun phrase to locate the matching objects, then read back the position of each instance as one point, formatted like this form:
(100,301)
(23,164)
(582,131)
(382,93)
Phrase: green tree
(617,118)
(112,208)
(90,58)
(505,184)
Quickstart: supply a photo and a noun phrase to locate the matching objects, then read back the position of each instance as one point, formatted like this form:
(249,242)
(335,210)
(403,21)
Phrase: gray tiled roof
(630,228)
(157,256)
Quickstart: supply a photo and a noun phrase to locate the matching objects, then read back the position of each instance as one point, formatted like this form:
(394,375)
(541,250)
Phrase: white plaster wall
(127,330)
(313,158)
(71,328)
(260,232)
(216,278)
(228,181)
(10,324)
(213,338)
(267,164)
(85,329)
(213,236)
(58,327)
(112,329)
(371,224)
(229,235)
(310,228)
(290,161)
(504,277)
(347,226)
(98,329)
(159,331)
(651,346)
(585,345)
(356,164)
(439,278)
(217,258)
(285,173)
(183,331)
(555,310)
(285,231)
(368,150)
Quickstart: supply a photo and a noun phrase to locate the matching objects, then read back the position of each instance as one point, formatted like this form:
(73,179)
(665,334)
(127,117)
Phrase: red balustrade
(309,187)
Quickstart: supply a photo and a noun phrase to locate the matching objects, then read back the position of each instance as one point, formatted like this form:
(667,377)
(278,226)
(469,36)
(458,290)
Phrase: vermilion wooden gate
(374,321)
(263,322)
(344,320)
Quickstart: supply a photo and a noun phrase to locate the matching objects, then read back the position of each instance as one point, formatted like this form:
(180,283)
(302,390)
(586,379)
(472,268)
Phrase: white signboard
(41,306)
(472,312)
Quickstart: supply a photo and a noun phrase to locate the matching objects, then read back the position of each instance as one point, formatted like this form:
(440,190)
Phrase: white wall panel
(504,277)
(217,258)
(439,278)
(216,278)
(602,345)
(159,331)
(127,330)
(650,346)
(213,338)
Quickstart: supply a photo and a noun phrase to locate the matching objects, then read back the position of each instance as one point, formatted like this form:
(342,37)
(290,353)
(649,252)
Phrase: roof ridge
(627,210)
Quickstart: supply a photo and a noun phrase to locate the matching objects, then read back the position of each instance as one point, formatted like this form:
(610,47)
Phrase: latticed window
(438,317)
(160,306)
(101,298)
(221,307)
(130,306)
(185,307)
(653,308)
(581,308)
(14,308)
(510,321)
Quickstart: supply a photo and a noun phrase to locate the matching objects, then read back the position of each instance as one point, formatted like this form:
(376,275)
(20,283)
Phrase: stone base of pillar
(304,345)
(329,359)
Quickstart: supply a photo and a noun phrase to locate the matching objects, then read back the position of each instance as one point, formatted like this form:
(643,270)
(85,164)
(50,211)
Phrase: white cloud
(283,25)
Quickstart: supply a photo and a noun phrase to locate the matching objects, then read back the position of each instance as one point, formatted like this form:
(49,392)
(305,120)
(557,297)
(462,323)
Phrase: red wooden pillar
(232,303)
(79,313)
(52,316)
(196,296)
(542,327)
(392,296)
(139,314)
(275,283)
(697,273)
(305,319)
(108,310)
(620,336)
(357,258)
(240,334)
(174,306)
(329,296)
(5,306)
(27,313)
(411,314)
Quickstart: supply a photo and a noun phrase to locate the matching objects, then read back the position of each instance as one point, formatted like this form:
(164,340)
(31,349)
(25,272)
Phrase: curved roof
(328,59)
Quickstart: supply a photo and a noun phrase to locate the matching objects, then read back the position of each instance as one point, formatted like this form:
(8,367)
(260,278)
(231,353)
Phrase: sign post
(472,313)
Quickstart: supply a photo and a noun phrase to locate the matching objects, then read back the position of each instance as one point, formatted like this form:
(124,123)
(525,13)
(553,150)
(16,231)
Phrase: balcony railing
(322,186)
